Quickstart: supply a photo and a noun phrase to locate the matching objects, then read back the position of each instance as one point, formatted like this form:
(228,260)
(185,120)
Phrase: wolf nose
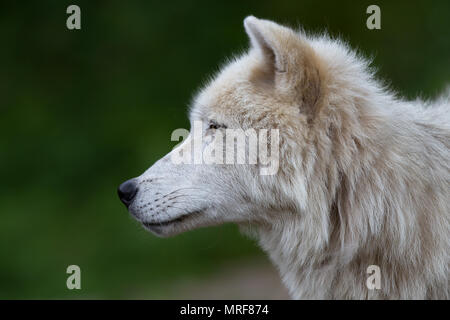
(127,191)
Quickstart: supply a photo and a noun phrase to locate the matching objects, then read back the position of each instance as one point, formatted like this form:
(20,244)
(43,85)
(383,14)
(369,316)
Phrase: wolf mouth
(176,220)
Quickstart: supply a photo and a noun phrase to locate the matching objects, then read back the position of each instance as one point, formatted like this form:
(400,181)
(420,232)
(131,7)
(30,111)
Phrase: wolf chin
(363,176)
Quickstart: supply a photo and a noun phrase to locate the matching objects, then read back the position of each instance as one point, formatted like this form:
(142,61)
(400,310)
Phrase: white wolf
(363,178)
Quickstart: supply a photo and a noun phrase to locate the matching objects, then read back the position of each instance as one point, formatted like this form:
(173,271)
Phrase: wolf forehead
(235,99)
(279,79)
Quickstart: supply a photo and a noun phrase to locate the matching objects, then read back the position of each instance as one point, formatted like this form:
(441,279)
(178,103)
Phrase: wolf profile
(363,176)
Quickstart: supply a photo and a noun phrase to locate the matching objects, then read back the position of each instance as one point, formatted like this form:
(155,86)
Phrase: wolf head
(278,87)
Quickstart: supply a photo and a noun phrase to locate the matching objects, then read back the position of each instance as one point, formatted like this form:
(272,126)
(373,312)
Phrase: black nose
(127,191)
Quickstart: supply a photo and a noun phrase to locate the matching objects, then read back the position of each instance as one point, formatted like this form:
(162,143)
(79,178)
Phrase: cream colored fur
(364,176)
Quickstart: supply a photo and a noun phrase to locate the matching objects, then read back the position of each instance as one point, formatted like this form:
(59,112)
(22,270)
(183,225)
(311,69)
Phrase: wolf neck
(326,242)
(307,271)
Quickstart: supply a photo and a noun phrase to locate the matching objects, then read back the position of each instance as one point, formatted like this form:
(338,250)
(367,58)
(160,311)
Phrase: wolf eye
(214,125)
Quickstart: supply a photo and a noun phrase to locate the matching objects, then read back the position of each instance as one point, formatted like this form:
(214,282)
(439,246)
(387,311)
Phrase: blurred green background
(82,111)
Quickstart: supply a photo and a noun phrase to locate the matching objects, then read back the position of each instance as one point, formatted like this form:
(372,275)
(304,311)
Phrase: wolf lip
(167,222)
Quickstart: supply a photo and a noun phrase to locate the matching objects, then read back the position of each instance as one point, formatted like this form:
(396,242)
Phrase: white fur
(364,177)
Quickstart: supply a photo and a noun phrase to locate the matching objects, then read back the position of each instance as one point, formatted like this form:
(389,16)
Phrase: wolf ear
(265,36)
(288,55)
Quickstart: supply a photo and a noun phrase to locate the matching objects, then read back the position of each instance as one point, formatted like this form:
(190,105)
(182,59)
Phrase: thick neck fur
(370,197)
